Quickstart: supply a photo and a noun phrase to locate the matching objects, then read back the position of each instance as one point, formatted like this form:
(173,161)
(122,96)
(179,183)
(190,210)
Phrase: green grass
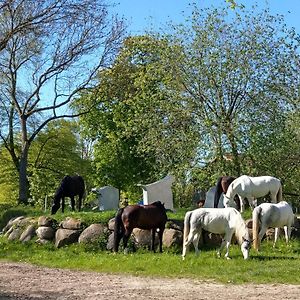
(279,265)
(270,265)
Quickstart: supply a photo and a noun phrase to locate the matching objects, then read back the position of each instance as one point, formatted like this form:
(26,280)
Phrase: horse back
(72,186)
(277,215)
(144,217)
(215,220)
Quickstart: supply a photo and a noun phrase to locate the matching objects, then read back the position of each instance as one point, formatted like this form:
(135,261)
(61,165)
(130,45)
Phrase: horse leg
(196,242)
(287,233)
(62,204)
(241,203)
(117,239)
(160,237)
(273,198)
(153,240)
(72,203)
(79,202)
(187,243)
(261,234)
(252,202)
(226,242)
(126,237)
(221,248)
(276,236)
(227,248)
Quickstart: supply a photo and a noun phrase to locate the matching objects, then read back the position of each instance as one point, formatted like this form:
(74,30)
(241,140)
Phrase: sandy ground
(25,281)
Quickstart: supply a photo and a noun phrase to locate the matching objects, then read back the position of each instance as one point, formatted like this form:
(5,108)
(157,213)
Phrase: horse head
(159,205)
(245,248)
(56,200)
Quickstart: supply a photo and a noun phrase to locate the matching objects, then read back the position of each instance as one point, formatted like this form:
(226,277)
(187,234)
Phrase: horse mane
(158,204)
(218,192)
(230,189)
(241,230)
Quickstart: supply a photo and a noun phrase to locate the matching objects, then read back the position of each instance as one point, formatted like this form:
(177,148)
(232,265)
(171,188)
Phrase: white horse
(272,215)
(225,221)
(253,188)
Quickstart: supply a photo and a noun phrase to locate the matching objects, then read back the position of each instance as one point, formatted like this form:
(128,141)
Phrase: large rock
(45,233)
(92,233)
(211,239)
(65,237)
(143,238)
(110,242)
(11,222)
(172,237)
(71,223)
(15,234)
(28,234)
(46,221)
(175,224)
(111,224)
(16,226)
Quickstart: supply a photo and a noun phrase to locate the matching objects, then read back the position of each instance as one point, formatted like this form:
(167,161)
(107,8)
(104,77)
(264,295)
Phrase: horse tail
(118,229)
(279,194)
(186,230)
(218,192)
(255,226)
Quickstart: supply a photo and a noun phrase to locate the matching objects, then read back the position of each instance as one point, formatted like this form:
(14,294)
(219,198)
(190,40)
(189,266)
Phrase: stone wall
(46,230)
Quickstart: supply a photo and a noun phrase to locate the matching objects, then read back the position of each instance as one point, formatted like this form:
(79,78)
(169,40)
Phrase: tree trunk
(23,181)
(235,155)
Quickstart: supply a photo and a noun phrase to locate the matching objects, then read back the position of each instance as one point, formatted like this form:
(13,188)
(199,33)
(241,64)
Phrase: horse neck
(241,230)
(59,193)
(230,191)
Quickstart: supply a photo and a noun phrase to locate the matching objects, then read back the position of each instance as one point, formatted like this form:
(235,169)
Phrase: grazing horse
(152,216)
(227,221)
(253,188)
(222,187)
(272,215)
(70,186)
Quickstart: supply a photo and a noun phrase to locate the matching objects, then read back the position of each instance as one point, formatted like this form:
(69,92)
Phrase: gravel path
(21,281)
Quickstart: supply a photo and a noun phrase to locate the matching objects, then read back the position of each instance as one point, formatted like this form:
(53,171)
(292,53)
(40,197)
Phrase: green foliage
(142,126)
(56,152)
(239,73)
(8,179)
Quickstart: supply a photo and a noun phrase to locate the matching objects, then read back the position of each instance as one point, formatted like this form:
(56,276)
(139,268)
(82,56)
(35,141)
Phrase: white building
(210,196)
(107,197)
(159,191)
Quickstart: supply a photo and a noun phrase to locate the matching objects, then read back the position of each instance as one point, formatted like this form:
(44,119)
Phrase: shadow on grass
(272,257)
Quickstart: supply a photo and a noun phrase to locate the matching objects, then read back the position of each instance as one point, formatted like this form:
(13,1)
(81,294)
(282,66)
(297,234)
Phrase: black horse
(152,216)
(70,186)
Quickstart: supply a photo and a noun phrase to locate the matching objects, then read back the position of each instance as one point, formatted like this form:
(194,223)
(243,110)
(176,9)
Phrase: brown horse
(222,187)
(70,186)
(152,216)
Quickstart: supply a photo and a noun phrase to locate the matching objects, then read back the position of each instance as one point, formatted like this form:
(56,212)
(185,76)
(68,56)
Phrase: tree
(234,71)
(142,125)
(51,52)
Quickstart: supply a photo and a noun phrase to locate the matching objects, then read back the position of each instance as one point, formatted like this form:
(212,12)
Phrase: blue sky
(143,14)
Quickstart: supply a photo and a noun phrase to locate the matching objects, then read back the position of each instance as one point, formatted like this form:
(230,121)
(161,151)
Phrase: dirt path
(28,282)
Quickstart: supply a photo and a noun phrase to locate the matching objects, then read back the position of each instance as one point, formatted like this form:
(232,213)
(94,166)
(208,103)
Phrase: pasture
(271,265)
